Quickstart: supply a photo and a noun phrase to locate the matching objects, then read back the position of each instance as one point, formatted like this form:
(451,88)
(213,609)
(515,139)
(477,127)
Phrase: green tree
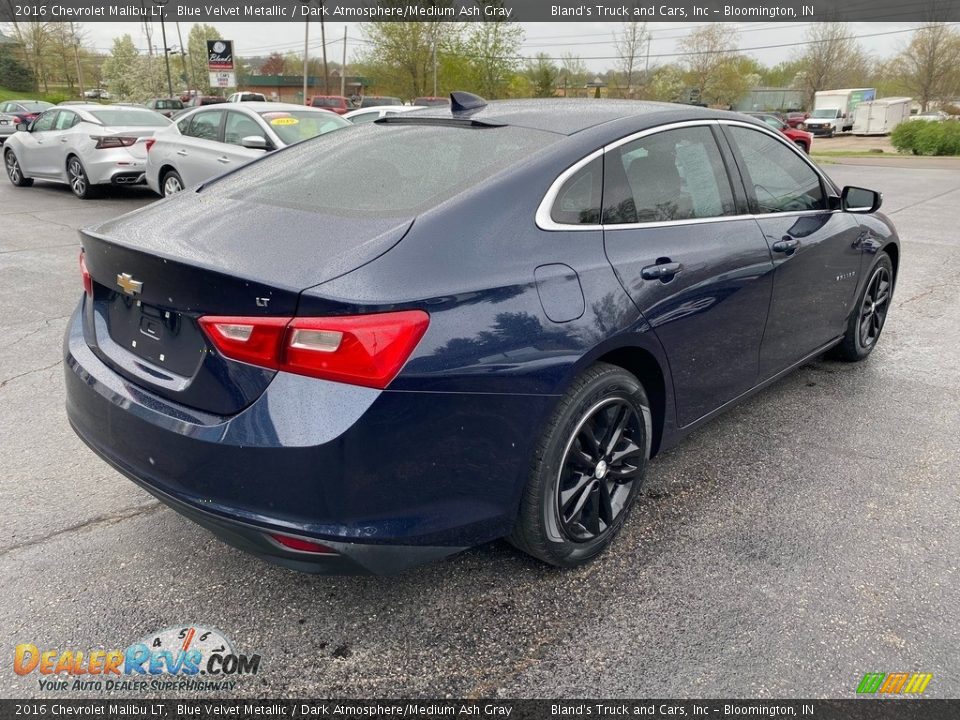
(491,51)
(197,55)
(402,57)
(122,70)
(14,75)
(708,51)
(543,74)
(833,59)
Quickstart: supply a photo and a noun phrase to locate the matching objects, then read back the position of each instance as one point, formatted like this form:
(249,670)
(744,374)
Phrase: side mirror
(254,142)
(860,200)
(23,127)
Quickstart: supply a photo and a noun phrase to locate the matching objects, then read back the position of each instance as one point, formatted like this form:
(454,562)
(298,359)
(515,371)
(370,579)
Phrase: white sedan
(209,141)
(85,146)
(369,114)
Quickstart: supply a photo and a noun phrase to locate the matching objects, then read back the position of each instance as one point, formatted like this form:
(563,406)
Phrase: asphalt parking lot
(805,538)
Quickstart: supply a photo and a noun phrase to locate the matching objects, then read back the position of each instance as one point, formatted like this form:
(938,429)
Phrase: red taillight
(17,120)
(87,280)
(149,143)
(105,142)
(364,350)
(295,543)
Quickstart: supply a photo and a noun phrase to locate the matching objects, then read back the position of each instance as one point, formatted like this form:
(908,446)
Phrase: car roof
(571,115)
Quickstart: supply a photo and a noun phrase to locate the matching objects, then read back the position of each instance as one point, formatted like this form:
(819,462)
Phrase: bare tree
(631,42)
(929,67)
(709,50)
(833,59)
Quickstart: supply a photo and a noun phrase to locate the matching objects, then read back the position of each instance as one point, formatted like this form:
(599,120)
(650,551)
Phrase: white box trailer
(880,117)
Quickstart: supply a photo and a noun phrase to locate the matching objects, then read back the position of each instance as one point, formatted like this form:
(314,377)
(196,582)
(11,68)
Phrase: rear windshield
(38,106)
(328,102)
(382,169)
(130,117)
(295,126)
(169,105)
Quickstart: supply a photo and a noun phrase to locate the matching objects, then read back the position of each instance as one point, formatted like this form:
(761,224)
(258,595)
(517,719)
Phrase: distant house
(770,98)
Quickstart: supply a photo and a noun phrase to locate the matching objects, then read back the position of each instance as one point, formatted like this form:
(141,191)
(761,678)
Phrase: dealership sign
(223,79)
(219,55)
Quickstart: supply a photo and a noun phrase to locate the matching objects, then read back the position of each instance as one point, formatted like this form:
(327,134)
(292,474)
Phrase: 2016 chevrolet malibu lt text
(406,338)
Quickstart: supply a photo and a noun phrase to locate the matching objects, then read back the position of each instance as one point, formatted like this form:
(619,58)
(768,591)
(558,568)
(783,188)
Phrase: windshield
(382,170)
(169,105)
(130,117)
(825,113)
(293,126)
(773,122)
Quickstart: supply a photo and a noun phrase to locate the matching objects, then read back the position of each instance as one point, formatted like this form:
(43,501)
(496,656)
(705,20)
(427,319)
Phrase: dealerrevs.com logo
(189,658)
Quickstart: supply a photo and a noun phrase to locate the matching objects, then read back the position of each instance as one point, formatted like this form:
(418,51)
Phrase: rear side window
(672,175)
(206,125)
(578,202)
(383,169)
(780,181)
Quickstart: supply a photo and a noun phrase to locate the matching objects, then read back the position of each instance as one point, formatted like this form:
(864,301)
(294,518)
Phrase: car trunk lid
(157,270)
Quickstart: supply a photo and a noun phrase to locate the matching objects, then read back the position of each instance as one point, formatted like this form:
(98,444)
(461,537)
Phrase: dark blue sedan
(406,338)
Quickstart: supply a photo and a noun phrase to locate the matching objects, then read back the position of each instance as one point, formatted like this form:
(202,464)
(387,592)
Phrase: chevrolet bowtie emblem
(128,284)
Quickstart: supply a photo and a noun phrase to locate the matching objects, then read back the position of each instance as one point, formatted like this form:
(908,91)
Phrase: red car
(796,119)
(800,138)
(334,103)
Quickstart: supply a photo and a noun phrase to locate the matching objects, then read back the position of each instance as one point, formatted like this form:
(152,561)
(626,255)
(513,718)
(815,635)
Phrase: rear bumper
(116,166)
(386,479)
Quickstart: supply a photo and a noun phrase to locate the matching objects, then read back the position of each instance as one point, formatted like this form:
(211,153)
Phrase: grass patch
(55,97)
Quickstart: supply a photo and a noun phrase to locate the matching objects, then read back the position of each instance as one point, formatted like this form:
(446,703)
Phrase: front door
(816,250)
(698,269)
(35,162)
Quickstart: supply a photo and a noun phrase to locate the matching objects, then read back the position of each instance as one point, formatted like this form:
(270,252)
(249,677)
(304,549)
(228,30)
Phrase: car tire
(584,482)
(78,180)
(14,171)
(171,183)
(870,313)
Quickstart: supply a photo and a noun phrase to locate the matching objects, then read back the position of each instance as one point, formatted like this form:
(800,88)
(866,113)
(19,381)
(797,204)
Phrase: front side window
(44,122)
(671,175)
(240,126)
(206,125)
(578,202)
(780,180)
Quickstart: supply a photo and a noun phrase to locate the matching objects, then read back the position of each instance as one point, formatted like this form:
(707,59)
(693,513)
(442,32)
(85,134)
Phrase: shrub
(922,137)
(14,75)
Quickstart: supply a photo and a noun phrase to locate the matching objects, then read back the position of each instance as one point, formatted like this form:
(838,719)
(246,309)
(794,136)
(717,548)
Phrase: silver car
(365,115)
(85,146)
(212,140)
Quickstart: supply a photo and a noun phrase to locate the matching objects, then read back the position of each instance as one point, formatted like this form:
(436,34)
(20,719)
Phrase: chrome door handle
(223,159)
(63,140)
(182,153)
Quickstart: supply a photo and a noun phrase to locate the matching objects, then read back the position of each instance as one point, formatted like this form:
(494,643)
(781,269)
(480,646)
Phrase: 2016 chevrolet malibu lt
(406,338)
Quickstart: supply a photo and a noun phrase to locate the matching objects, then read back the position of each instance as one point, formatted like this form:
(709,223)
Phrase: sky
(592,41)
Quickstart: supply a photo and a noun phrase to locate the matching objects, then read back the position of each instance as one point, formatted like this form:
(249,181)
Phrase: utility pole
(183,58)
(343,65)
(323,43)
(434,65)
(76,56)
(306,40)
(166,55)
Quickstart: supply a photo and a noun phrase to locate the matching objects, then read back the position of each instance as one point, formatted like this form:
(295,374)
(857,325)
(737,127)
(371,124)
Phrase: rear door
(816,250)
(201,145)
(695,264)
